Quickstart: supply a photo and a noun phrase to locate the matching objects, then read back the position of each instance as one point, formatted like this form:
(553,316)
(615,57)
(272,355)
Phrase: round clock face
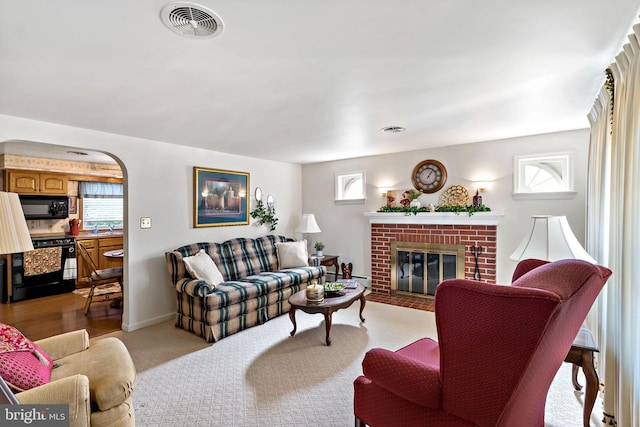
(429,176)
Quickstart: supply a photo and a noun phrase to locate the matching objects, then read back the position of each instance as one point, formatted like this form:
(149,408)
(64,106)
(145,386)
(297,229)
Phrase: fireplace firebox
(417,268)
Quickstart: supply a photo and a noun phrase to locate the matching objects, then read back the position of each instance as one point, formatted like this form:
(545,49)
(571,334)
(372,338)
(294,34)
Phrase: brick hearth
(431,228)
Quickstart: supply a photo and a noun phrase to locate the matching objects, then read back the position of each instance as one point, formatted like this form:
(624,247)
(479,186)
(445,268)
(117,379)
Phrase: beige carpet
(264,377)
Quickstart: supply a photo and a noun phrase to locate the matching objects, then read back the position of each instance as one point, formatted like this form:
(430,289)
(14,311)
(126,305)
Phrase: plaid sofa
(253,292)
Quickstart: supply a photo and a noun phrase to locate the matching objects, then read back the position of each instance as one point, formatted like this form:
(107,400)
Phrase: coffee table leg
(363,301)
(292,316)
(327,325)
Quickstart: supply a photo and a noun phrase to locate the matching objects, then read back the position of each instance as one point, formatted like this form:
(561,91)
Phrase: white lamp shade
(14,233)
(308,224)
(550,238)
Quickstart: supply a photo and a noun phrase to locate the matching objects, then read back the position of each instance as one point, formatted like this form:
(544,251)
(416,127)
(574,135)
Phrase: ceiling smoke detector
(191,20)
(393,129)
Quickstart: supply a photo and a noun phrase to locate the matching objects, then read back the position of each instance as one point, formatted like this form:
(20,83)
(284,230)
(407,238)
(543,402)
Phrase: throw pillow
(202,267)
(292,254)
(23,364)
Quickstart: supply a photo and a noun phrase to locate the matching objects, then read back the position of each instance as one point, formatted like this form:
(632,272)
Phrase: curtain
(109,190)
(614,234)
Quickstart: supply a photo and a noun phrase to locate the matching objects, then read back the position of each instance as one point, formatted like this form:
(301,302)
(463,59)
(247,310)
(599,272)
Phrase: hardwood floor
(43,317)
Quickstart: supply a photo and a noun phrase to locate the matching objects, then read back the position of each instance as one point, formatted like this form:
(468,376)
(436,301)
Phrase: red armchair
(499,349)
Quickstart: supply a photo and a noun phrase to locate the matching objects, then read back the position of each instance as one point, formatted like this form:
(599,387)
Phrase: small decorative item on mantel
(409,198)
(477,199)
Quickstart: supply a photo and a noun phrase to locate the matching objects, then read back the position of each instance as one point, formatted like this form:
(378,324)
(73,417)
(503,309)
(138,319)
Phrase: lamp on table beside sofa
(308,225)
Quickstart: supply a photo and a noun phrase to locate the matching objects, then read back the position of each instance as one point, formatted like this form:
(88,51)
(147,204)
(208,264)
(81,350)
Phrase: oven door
(40,273)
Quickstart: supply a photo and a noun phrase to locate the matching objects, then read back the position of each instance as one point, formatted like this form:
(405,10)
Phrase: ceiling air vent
(191,20)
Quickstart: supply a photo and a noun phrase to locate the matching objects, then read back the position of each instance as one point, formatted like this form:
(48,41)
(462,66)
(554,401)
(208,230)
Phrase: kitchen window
(102,205)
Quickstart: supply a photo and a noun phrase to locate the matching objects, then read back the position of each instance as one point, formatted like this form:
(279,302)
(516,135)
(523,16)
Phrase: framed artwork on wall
(220,197)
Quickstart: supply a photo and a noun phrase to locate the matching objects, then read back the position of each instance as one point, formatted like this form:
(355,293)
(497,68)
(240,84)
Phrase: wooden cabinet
(96,247)
(29,182)
(109,244)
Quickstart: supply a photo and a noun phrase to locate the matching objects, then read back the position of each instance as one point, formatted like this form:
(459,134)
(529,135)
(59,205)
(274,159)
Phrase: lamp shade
(14,233)
(308,224)
(550,238)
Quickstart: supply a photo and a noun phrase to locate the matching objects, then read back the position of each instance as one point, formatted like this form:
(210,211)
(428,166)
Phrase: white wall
(345,230)
(159,184)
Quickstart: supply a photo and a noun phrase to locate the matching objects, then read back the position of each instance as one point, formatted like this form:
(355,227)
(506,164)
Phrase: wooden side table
(581,354)
(329,260)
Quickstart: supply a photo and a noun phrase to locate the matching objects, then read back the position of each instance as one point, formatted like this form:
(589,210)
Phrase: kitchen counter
(82,235)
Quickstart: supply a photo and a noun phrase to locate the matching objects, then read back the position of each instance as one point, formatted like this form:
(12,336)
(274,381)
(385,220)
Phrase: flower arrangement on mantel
(408,210)
(266,215)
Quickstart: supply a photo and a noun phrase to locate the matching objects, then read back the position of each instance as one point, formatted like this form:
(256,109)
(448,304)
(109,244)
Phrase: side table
(329,260)
(581,354)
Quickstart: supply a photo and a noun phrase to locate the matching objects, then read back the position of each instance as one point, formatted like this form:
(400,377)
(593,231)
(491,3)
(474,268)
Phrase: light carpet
(264,377)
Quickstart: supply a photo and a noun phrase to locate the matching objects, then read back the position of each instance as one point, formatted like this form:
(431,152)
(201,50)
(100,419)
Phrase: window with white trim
(350,187)
(543,176)
(102,205)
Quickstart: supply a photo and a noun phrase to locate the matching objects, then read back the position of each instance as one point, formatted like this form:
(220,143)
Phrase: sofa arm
(194,287)
(59,346)
(403,376)
(72,391)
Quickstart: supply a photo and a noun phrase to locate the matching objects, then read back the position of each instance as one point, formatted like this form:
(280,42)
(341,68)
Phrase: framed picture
(220,197)
(73,205)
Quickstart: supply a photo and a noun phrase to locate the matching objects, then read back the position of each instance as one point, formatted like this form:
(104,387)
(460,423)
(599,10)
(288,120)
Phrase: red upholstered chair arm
(403,376)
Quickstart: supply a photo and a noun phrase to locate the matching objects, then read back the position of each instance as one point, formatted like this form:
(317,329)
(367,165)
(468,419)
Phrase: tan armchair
(96,382)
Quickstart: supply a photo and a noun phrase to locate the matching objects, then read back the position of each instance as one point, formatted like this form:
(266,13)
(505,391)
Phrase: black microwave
(45,207)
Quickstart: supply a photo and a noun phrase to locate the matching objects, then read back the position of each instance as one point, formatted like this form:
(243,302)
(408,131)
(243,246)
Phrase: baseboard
(130,327)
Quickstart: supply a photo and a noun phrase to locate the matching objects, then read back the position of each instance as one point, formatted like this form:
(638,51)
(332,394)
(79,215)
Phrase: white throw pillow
(292,254)
(202,267)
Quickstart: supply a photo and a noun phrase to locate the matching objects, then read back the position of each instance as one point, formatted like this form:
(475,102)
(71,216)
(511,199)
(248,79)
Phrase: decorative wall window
(350,188)
(543,176)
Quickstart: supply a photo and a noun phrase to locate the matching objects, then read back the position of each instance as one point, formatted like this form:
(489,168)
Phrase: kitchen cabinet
(30,182)
(109,244)
(96,247)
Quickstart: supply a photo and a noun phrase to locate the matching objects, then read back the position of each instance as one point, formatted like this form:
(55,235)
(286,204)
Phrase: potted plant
(319,247)
(409,198)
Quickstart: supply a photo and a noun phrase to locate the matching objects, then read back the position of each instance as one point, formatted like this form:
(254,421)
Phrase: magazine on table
(348,283)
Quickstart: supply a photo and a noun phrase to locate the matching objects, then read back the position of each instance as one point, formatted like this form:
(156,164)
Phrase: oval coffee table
(342,299)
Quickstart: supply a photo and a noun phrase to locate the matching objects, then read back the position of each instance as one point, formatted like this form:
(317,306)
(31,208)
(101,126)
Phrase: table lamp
(550,238)
(14,233)
(308,225)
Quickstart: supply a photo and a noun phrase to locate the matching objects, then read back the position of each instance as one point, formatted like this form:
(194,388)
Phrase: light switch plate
(145,222)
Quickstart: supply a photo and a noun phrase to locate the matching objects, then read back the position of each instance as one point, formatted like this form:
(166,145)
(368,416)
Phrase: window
(350,188)
(102,205)
(543,176)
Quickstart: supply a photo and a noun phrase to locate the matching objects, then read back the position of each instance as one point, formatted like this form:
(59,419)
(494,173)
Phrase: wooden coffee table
(343,299)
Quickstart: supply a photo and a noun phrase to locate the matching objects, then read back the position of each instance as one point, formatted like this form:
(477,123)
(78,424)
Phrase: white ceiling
(307,81)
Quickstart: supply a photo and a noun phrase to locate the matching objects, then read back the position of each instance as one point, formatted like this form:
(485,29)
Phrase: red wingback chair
(499,349)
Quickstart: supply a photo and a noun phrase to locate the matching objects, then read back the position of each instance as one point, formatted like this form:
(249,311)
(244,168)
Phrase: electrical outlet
(145,222)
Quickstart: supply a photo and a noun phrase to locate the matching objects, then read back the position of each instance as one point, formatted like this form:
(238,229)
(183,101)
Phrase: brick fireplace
(479,229)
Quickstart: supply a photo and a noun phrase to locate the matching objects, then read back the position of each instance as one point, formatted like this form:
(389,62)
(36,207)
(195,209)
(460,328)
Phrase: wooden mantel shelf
(435,218)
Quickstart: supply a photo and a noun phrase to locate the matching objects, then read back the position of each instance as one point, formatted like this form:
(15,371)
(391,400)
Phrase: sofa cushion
(202,267)
(292,254)
(23,364)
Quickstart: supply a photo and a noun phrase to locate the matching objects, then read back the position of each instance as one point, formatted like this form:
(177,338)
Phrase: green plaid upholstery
(253,291)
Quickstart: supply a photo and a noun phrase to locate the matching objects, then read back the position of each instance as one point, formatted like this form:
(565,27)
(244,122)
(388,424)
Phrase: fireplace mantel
(435,218)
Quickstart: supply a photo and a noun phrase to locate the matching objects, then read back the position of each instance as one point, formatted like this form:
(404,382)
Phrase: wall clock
(429,176)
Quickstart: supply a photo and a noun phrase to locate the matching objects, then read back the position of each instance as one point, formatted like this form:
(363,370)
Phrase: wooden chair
(97,276)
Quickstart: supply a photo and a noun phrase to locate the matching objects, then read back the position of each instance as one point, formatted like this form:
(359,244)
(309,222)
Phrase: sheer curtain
(613,234)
